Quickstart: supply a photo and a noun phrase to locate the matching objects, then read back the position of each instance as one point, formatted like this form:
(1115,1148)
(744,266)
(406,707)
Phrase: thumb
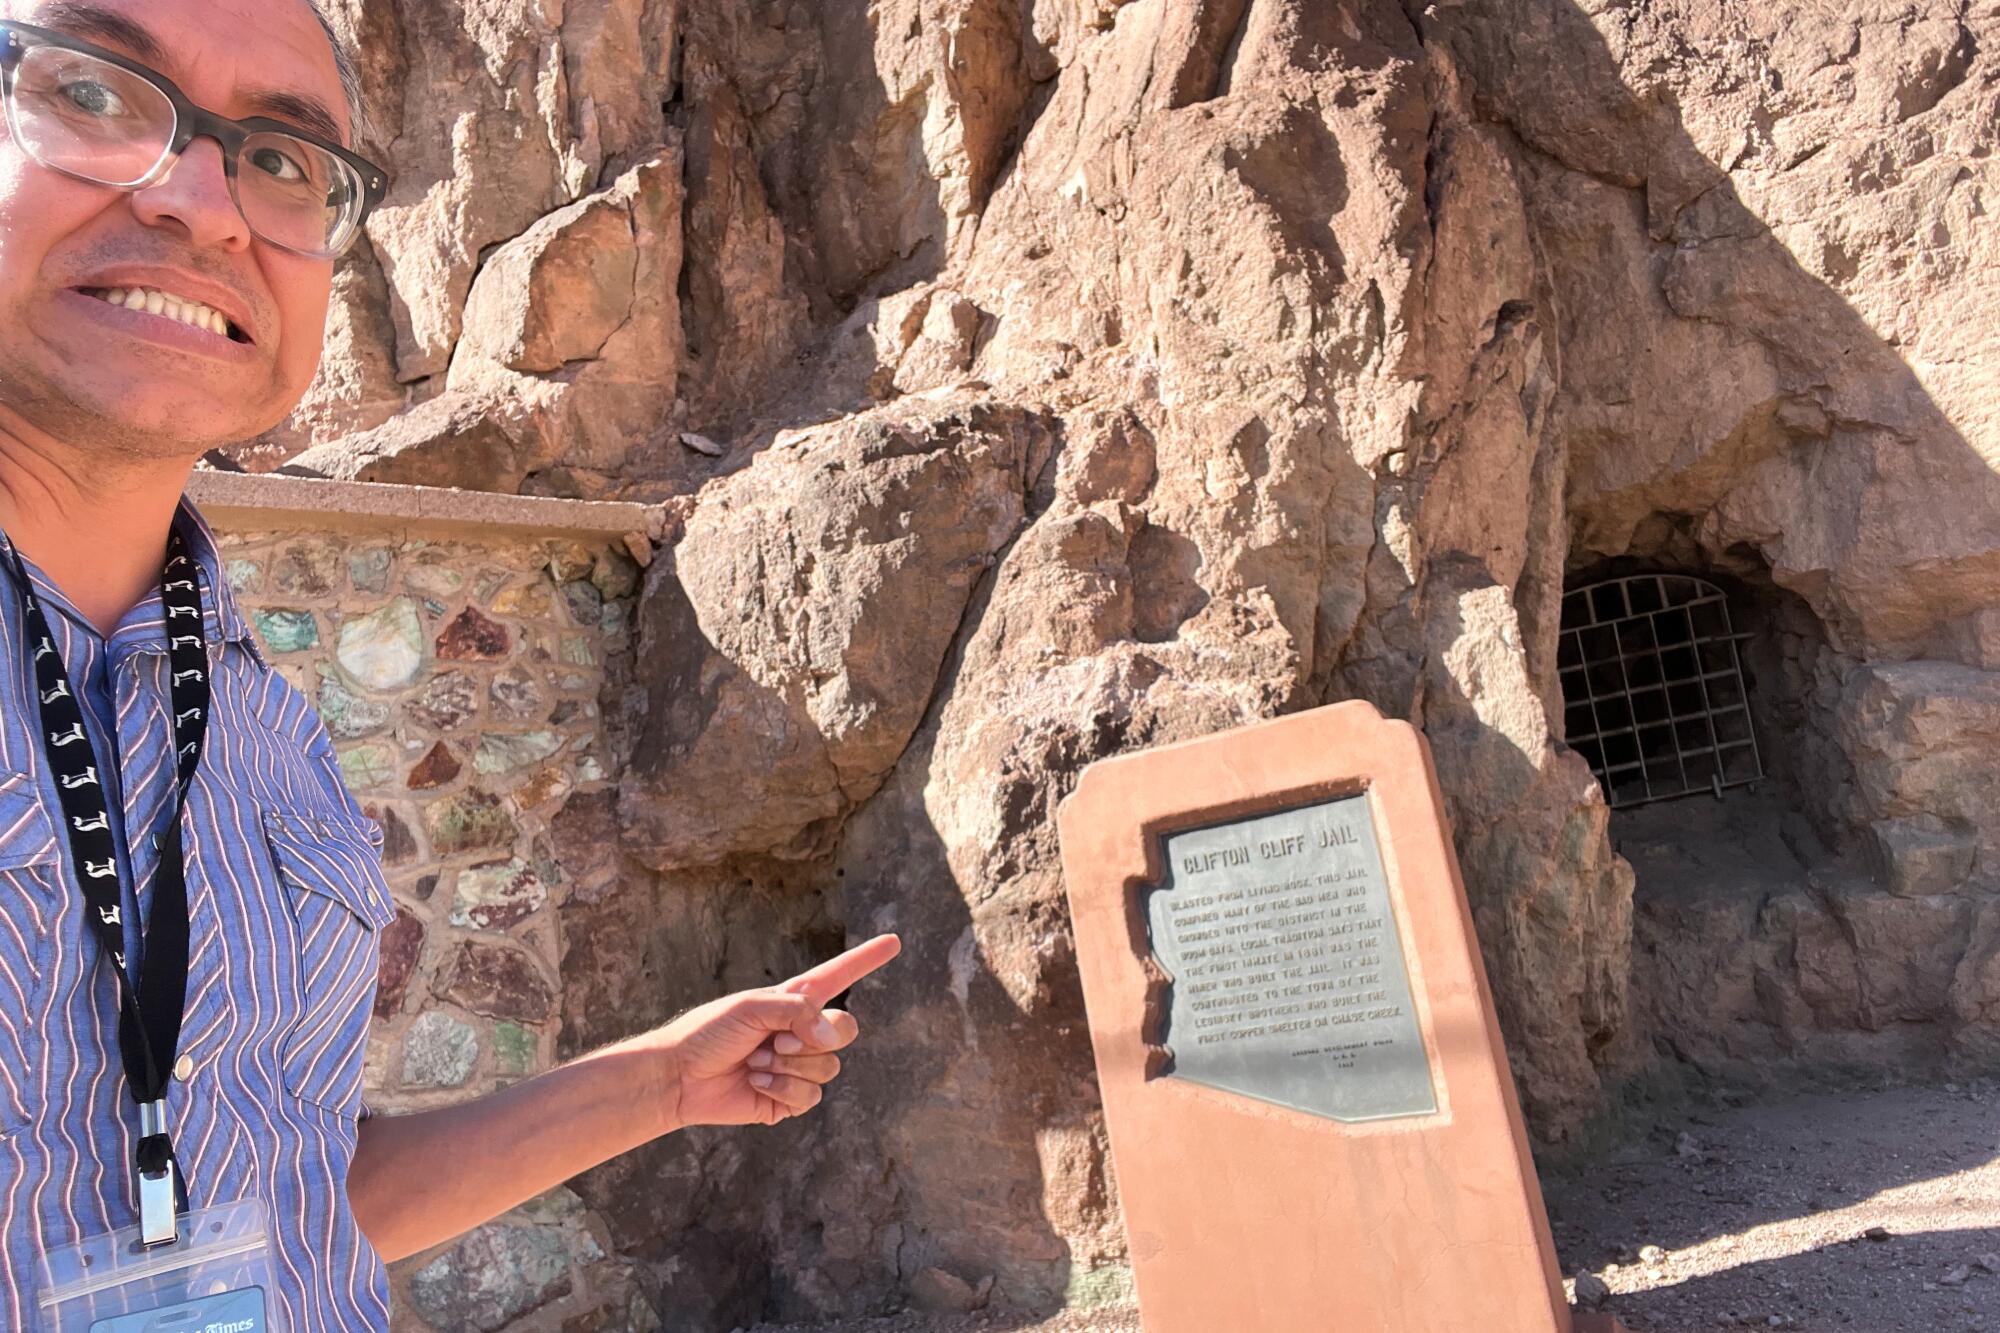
(775,1011)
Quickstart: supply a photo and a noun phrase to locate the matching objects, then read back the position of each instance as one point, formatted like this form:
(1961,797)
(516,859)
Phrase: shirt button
(184,1068)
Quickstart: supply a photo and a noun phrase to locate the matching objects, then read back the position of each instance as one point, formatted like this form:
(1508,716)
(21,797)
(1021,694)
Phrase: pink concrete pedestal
(1248,1217)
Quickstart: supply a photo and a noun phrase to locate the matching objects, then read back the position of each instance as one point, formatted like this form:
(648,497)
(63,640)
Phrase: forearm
(756,1057)
(420,1179)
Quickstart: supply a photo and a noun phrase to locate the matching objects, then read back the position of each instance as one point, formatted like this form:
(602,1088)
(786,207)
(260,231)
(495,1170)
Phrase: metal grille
(1652,679)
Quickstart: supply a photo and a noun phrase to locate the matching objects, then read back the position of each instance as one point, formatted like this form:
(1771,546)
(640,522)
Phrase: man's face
(99,377)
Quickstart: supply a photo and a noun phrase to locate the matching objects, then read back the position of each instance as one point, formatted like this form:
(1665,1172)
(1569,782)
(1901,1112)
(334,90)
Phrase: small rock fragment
(435,769)
(439,1051)
(1652,1255)
(1987,1263)
(1876,1233)
(701,444)
(1956,1277)
(473,636)
(940,1292)
(1591,1290)
(383,650)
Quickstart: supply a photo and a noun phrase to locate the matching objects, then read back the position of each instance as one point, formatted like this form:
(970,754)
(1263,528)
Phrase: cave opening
(1705,697)
(1696,690)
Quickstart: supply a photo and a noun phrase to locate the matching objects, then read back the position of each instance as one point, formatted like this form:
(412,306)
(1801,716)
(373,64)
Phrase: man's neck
(96,528)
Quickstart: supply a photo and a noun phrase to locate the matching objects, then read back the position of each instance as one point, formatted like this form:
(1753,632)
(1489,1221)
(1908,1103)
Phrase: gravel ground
(1875,1212)
(1107,1320)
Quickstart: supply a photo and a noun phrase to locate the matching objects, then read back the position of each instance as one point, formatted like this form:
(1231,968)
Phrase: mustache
(84,265)
(105,254)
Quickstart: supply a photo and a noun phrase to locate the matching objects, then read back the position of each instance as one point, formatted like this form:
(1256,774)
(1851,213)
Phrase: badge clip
(159,1213)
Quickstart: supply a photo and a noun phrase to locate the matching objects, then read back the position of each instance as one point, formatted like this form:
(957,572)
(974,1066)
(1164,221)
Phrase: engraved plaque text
(1289,981)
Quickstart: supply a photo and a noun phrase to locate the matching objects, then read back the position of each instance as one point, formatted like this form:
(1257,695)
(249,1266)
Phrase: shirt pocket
(30,899)
(331,873)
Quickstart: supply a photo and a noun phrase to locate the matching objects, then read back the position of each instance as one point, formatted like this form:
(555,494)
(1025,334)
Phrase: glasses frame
(191,122)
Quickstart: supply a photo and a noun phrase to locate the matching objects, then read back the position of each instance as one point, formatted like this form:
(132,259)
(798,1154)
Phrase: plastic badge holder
(86,1287)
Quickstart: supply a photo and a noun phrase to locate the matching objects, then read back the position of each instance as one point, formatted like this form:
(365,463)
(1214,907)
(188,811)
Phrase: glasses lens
(296,194)
(90,118)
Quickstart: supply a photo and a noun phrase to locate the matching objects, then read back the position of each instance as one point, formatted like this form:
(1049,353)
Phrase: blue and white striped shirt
(285,896)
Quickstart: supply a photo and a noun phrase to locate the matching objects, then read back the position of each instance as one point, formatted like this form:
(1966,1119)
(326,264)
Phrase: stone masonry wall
(460,671)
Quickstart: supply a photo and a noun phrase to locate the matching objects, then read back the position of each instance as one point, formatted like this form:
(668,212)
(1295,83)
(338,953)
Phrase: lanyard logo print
(149,1020)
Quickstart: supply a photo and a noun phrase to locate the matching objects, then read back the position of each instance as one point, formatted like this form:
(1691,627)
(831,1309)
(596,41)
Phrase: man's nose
(194,196)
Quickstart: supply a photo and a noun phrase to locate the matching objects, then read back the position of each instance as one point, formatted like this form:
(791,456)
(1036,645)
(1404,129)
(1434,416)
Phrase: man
(188,901)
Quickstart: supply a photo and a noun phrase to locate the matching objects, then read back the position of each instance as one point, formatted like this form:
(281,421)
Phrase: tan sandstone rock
(1065,377)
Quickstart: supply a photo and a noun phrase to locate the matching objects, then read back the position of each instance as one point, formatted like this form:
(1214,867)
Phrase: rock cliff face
(1035,379)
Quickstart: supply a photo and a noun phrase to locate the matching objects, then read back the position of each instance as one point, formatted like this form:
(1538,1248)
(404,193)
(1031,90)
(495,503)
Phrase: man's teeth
(166,303)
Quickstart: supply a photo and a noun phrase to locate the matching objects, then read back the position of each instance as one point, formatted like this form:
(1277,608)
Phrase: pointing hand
(761,1056)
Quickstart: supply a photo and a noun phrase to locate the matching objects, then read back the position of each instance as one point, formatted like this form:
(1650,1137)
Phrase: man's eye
(92,98)
(277,165)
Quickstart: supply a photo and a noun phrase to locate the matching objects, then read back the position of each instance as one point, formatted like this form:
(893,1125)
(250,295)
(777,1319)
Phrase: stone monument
(1310,1110)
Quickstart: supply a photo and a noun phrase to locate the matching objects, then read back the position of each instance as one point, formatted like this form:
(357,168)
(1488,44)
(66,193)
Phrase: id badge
(215,1279)
(243,1311)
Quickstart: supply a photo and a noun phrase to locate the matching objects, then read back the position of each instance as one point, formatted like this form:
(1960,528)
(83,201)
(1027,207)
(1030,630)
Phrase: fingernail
(760,1058)
(760,1080)
(786,1044)
(824,1033)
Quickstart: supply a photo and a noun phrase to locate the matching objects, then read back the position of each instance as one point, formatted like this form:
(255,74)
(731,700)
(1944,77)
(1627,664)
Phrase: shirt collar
(223,620)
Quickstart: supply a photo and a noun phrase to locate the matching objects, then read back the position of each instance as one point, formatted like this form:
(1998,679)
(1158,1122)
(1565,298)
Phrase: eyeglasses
(95,115)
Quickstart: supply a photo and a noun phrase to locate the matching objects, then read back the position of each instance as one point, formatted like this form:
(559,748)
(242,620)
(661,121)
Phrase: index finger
(835,975)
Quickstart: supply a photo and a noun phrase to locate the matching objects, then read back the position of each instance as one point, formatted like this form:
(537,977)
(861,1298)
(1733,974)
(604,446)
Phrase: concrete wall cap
(255,502)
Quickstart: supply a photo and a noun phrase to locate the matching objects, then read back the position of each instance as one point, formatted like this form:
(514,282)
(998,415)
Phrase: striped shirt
(285,896)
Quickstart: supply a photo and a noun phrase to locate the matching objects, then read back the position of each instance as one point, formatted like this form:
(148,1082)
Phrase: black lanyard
(149,1022)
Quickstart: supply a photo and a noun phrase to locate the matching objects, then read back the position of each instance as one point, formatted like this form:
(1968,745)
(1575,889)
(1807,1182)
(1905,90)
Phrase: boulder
(799,626)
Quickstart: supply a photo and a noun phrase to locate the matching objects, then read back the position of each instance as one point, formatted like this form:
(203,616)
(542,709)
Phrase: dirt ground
(1876,1211)
(1110,1320)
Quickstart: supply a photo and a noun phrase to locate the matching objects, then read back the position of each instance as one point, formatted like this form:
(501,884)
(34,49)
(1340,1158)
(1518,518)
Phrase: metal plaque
(1288,977)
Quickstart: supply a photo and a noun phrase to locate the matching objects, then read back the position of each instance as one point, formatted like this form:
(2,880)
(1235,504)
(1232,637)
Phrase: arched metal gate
(1652,677)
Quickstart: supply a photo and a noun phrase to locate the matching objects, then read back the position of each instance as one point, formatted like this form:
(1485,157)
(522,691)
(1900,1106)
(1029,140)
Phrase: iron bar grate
(1653,689)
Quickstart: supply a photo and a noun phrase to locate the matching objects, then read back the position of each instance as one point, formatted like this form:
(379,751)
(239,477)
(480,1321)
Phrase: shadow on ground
(1876,1210)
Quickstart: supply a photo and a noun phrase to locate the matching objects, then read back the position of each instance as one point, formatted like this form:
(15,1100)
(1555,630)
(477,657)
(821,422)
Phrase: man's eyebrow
(114,29)
(102,25)
(304,112)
